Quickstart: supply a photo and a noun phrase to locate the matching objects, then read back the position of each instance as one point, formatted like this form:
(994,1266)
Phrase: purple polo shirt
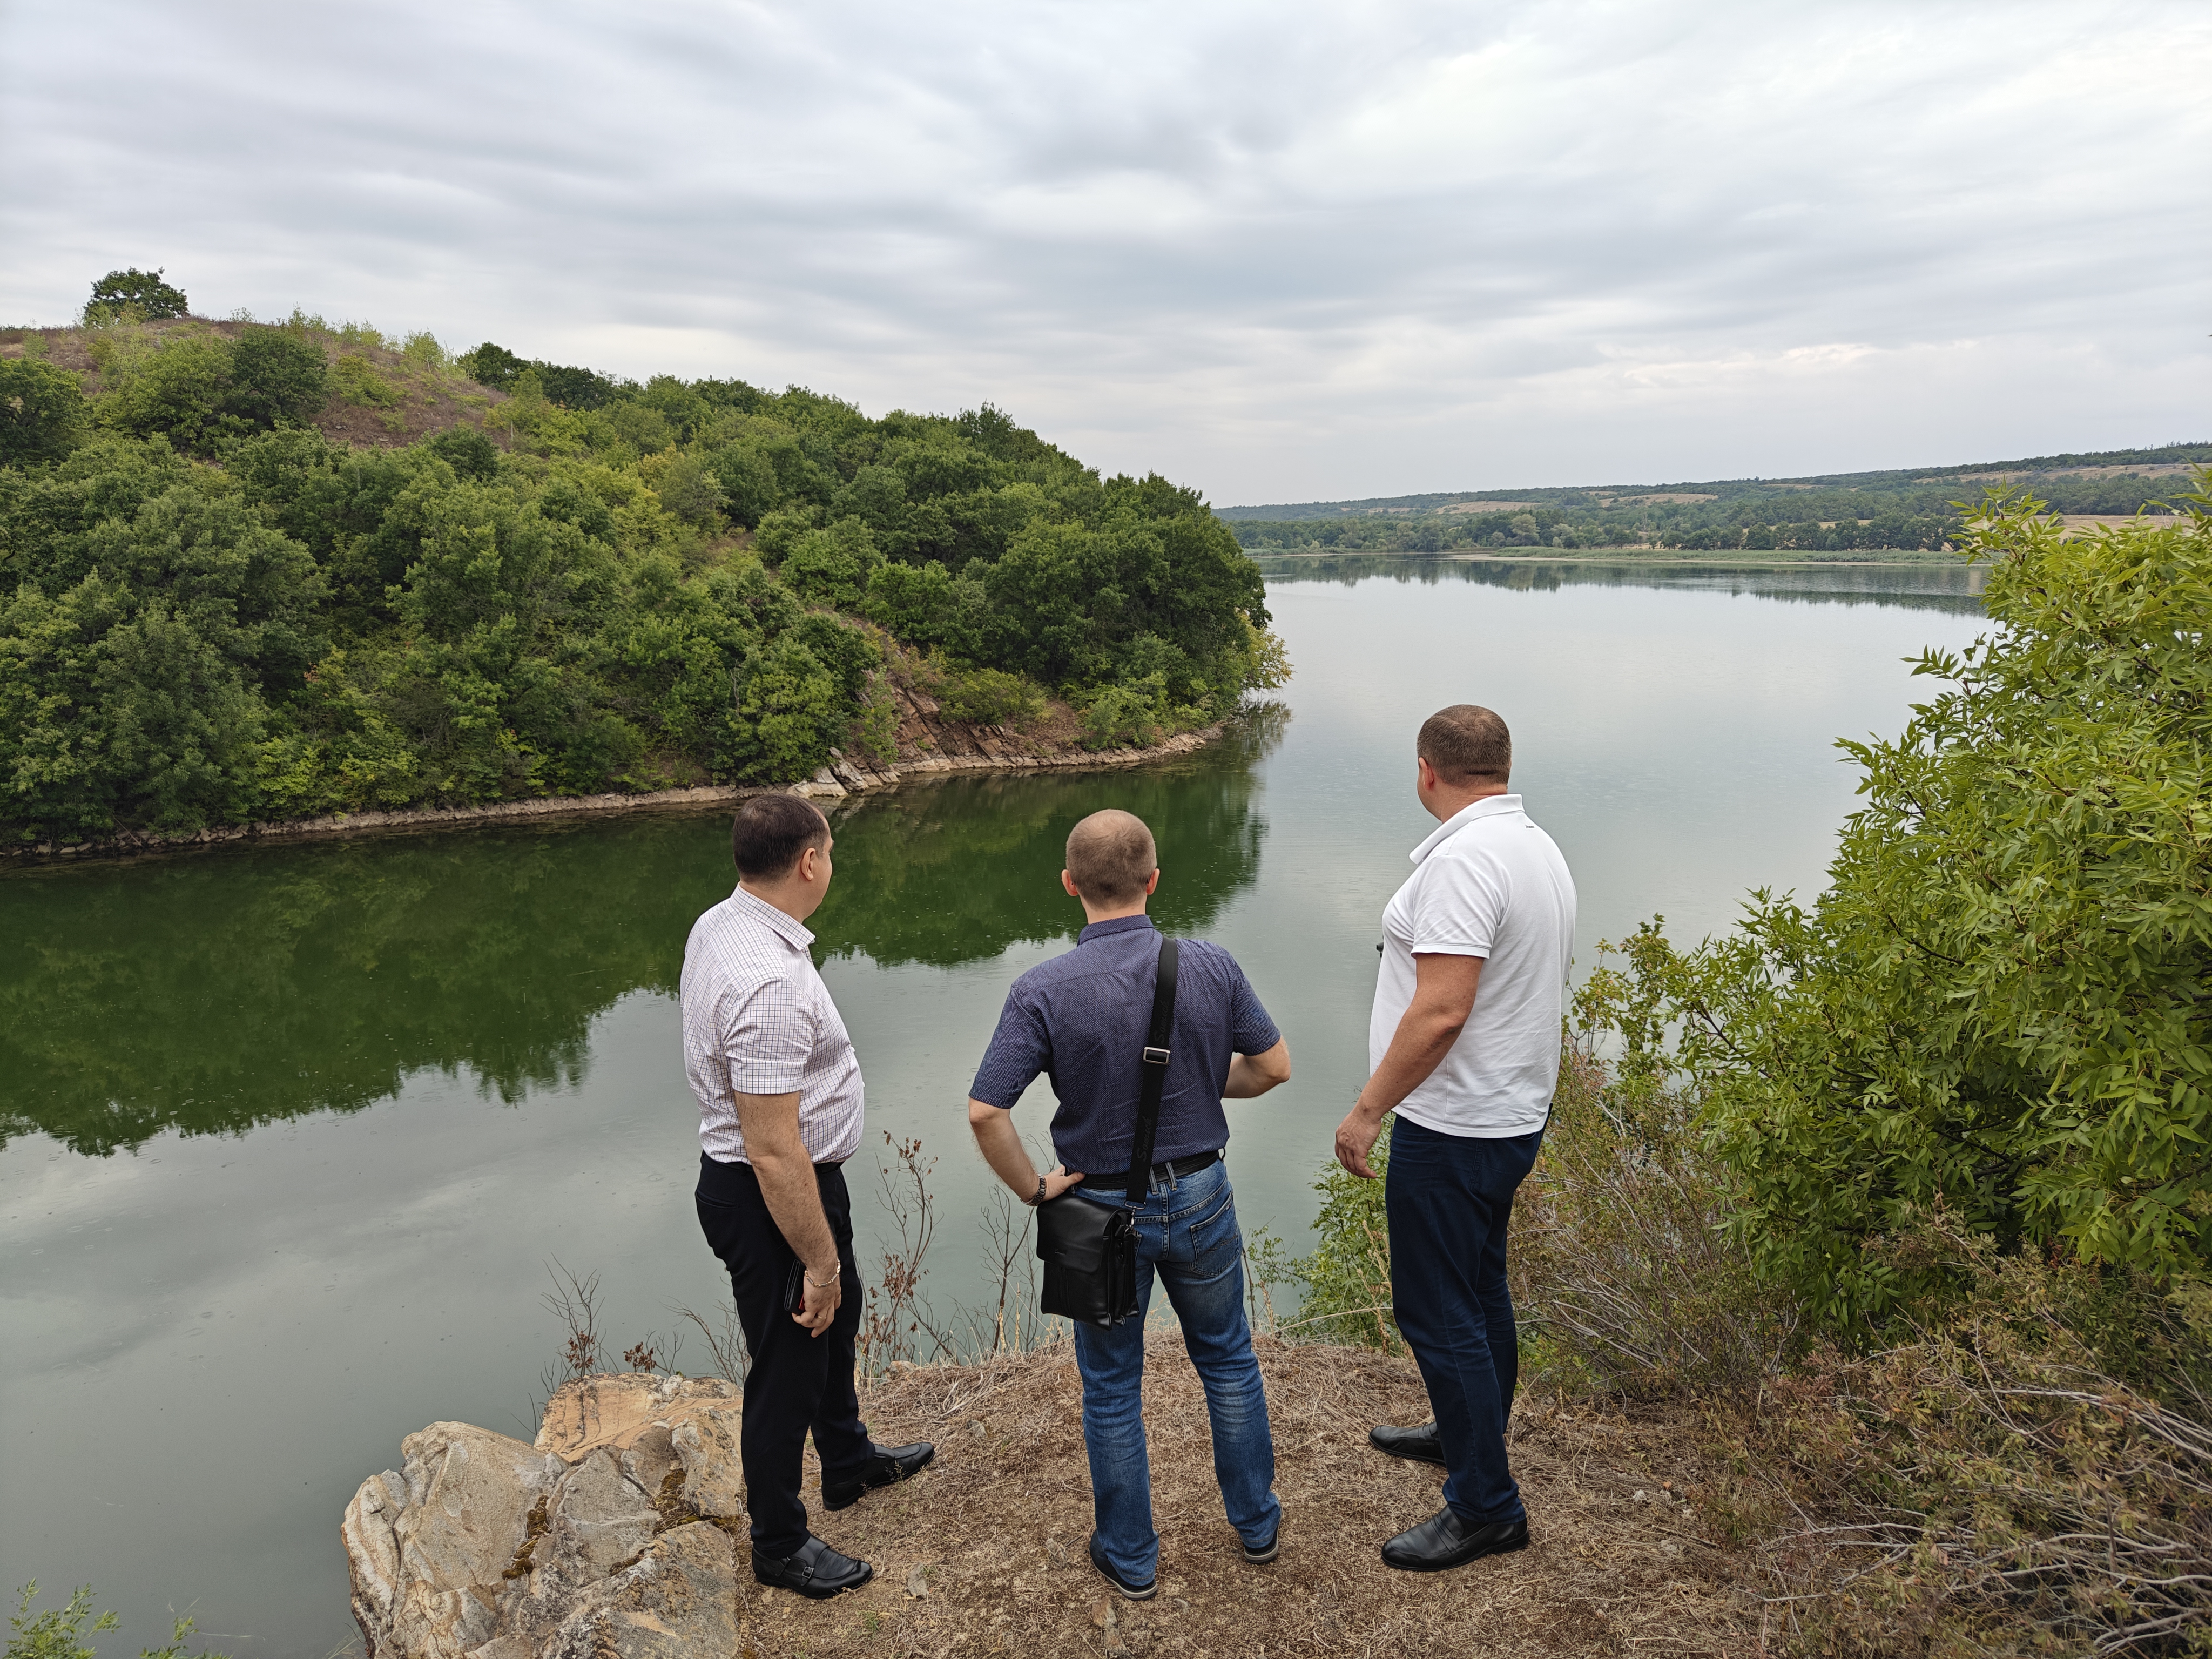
(1082,1019)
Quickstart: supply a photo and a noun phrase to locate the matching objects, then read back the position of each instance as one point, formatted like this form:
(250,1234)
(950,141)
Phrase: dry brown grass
(425,400)
(994,1532)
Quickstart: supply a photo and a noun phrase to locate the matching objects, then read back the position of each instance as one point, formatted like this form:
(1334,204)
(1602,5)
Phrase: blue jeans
(1187,1233)
(1448,1198)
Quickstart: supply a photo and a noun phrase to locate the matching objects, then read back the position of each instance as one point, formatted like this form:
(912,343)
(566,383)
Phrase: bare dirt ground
(985,1552)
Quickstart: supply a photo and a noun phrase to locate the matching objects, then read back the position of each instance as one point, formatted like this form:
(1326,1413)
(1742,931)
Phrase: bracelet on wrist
(1039,1199)
(823,1284)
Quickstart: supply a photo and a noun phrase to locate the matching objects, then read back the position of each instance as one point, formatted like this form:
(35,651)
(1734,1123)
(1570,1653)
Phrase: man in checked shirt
(780,1111)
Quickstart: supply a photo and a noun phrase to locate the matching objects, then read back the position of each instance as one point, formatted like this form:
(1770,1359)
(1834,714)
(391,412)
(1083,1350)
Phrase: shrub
(988,697)
(358,380)
(1347,1278)
(43,414)
(177,385)
(1999,1000)
(1985,1485)
(688,491)
(276,378)
(59,1632)
(467,451)
(1126,714)
(134,294)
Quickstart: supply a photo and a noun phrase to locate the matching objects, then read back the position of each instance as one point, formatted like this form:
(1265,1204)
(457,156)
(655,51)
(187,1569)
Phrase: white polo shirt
(758,1019)
(1487,883)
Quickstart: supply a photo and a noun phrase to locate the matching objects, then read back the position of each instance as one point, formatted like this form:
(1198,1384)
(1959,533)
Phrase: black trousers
(797,1382)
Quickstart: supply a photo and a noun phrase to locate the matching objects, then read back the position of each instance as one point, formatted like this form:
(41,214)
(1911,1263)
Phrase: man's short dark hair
(1110,857)
(771,831)
(1466,743)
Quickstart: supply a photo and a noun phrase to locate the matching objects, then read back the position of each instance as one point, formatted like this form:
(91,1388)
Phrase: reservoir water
(291,1135)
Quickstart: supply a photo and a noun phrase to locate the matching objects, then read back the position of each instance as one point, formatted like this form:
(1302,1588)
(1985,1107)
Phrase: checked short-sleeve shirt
(758,1020)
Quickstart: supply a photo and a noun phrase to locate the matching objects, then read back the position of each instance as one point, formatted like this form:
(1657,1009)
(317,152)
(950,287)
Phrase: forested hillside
(1836,513)
(262,571)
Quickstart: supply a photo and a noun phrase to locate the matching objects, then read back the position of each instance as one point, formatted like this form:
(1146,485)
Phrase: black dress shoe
(817,1571)
(1418,1445)
(1445,1541)
(886,1466)
(1144,1592)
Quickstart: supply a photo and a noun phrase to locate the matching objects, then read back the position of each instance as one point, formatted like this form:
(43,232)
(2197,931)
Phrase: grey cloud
(1280,251)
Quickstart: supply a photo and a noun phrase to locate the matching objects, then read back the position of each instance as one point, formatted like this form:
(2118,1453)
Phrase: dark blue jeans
(1448,1198)
(1185,1233)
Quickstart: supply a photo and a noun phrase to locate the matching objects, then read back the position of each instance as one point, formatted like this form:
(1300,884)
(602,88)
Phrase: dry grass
(423,399)
(995,1531)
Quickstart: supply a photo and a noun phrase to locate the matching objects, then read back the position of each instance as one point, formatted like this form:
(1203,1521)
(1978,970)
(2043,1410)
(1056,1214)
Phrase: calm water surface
(290,1136)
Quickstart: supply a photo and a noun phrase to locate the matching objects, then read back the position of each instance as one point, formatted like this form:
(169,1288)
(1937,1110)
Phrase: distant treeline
(1567,529)
(1836,513)
(211,611)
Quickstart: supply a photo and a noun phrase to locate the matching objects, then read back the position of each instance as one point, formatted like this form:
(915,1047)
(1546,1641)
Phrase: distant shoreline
(1782,557)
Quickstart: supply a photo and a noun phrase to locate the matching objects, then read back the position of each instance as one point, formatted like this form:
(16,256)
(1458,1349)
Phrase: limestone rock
(678,1600)
(706,1446)
(614,1411)
(428,1548)
(602,1520)
(481,1548)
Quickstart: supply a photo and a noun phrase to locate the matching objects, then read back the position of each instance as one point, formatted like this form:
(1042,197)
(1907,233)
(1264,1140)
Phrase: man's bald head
(1111,857)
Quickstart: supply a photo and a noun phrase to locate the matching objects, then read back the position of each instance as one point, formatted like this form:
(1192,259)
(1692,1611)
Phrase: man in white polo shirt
(780,1111)
(1464,1046)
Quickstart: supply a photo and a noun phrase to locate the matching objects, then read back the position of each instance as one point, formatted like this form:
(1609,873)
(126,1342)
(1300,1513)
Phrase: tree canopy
(210,613)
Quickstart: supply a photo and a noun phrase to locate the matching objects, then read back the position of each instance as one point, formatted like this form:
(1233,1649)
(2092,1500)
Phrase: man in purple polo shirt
(1084,1019)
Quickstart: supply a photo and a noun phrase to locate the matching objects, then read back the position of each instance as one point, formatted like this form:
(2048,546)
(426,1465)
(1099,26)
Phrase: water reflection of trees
(212,994)
(1954,587)
(957,872)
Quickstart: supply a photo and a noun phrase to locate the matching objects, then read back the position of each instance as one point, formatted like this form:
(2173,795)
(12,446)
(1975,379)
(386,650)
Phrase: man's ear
(1068,882)
(1153,885)
(1425,772)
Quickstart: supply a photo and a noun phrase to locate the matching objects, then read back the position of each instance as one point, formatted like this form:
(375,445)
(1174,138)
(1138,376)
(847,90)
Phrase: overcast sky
(1279,251)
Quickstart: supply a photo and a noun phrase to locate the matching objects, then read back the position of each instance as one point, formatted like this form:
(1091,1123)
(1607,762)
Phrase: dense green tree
(134,291)
(276,378)
(42,412)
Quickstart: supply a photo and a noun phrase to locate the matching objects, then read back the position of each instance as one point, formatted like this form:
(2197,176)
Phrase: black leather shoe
(886,1467)
(1144,1592)
(1444,1542)
(1417,1445)
(817,1571)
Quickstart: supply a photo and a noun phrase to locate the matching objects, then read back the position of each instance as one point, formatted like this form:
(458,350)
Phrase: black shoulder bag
(1089,1251)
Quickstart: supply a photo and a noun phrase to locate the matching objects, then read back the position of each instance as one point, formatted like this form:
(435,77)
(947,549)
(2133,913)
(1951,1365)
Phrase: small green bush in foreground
(59,1632)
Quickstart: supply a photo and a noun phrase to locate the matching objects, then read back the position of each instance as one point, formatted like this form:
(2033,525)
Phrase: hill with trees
(1915,509)
(255,571)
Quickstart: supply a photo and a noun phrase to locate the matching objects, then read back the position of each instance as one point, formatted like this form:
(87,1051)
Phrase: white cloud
(1282,252)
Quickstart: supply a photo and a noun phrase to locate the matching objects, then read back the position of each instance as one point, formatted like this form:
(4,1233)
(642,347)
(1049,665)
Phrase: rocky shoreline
(927,744)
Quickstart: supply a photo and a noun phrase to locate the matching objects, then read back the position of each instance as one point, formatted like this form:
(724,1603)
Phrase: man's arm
(770,1124)
(1009,1159)
(1444,997)
(1251,1075)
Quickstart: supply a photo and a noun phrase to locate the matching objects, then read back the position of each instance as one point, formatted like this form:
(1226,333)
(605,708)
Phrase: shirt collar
(760,909)
(1488,807)
(1118,925)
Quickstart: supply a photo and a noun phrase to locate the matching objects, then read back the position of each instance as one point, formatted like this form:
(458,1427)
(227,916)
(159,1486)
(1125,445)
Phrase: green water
(292,1134)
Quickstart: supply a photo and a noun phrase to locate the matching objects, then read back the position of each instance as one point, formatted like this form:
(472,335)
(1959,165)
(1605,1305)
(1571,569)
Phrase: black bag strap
(1155,1070)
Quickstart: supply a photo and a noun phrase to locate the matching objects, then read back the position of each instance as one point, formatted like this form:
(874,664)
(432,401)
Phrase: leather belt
(1178,1168)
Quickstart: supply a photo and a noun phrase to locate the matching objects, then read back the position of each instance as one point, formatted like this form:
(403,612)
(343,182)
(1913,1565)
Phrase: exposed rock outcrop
(614,1534)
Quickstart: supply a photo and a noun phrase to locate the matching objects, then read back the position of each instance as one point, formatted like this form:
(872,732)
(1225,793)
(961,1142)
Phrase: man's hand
(1057,1180)
(820,1306)
(1009,1159)
(1355,1139)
